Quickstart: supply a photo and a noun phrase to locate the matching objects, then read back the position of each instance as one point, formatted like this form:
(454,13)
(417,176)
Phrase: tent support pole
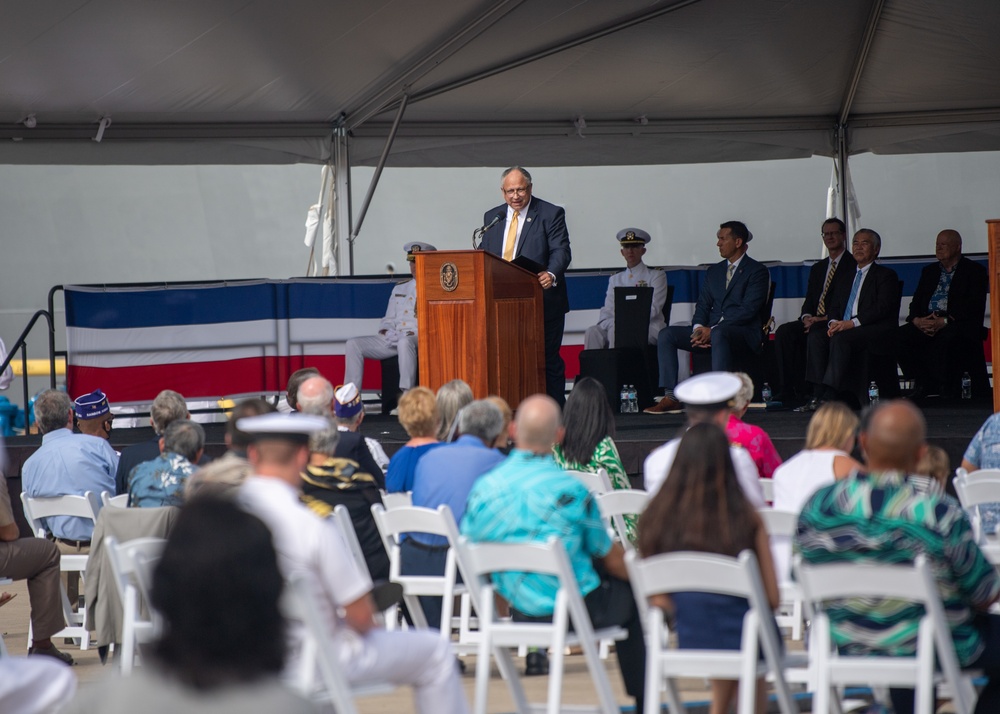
(377,175)
(342,200)
(859,61)
(842,175)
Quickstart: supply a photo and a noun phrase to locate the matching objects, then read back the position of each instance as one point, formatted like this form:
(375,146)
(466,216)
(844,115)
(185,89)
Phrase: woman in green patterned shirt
(589,441)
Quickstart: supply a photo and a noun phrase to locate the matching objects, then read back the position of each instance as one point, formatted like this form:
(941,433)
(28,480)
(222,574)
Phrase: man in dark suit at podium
(528,227)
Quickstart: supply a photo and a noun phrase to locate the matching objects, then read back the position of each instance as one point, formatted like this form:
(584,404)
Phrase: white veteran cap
(416,247)
(708,389)
(285,427)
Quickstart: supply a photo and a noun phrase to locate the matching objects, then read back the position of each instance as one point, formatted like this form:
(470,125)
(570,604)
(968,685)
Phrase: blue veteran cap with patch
(91,406)
(347,401)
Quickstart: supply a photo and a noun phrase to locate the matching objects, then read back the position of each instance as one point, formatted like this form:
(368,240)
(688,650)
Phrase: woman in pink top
(752,438)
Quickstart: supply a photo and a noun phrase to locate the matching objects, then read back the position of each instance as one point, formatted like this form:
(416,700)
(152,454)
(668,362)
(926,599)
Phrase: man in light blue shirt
(529,499)
(67,464)
(444,476)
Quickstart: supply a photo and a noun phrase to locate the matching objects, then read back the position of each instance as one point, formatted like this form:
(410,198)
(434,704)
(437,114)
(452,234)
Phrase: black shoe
(65,657)
(810,406)
(537,664)
(385,594)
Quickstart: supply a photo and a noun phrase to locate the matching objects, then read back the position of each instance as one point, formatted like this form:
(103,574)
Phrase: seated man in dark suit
(827,278)
(837,358)
(945,325)
(726,316)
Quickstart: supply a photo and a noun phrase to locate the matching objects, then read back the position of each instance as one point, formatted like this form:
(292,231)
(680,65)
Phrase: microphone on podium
(477,235)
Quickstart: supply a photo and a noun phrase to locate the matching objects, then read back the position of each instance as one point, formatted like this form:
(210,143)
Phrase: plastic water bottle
(765,393)
(623,406)
(873,393)
(966,386)
(633,400)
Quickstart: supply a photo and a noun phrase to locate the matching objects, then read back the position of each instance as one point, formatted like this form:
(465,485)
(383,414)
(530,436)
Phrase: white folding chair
(479,562)
(616,504)
(595,481)
(399,499)
(86,506)
(131,563)
(974,489)
(120,501)
(781,525)
(705,572)
(767,486)
(915,583)
(392,524)
(345,526)
(319,653)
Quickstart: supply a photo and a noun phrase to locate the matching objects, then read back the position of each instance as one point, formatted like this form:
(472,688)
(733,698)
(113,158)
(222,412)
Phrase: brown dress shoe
(664,406)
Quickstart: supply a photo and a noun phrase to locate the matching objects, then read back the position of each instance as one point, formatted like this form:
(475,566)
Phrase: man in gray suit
(725,316)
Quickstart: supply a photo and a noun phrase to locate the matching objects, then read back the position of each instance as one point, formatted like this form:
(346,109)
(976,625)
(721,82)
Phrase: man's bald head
(948,248)
(538,424)
(316,397)
(894,438)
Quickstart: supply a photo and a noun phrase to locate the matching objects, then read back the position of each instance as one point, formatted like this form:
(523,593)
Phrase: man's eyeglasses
(515,191)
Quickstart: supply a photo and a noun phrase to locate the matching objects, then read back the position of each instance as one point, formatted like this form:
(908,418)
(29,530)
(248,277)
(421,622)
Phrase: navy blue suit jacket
(739,304)
(544,239)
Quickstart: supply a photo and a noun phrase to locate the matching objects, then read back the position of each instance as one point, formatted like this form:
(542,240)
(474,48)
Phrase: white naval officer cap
(416,247)
(632,236)
(711,389)
(283,427)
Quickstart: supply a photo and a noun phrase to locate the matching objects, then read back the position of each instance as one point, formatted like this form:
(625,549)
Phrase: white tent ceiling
(490,82)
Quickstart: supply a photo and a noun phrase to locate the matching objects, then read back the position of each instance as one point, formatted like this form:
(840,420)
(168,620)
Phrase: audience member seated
(397,334)
(419,415)
(636,274)
(451,397)
(330,481)
(167,407)
(292,390)
(37,561)
(309,546)
(983,452)
(160,482)
(830,276)
(881,517)
(217,587)
(316,396)
(708,398)
(93,415)
(588,443)
(837,358)
(528,498)
(503,441)
(236,441)
(726,316)
(444,477)
(349,413)
(67,464)
(752,438)
(934,468)
(702,508)
(221,478)
(944,328)
(826,458)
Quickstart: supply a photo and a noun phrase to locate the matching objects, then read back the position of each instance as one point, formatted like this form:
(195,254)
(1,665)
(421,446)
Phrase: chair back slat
(690,572)
(837,581)
(778,523)
(37,507)
(595,481)
(978,487)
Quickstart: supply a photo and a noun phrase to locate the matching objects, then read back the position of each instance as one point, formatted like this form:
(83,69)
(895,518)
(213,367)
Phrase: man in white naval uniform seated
(397,333)
(633,242)
(706,398)
(309,545)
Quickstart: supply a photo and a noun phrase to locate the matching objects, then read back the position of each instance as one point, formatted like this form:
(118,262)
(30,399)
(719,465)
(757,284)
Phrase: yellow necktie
(508,246)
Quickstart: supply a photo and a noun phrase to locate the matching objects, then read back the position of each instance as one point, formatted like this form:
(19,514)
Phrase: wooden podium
(481,321)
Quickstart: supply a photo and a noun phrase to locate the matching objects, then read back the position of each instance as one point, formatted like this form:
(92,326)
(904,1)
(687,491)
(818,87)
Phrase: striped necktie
(821,306)
(508,245)
(729,273)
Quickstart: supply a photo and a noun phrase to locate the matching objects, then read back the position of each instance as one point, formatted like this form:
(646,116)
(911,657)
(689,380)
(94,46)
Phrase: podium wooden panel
(487,330)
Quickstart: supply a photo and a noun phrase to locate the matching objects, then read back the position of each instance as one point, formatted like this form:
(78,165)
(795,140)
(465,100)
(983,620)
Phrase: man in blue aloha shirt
(160,482)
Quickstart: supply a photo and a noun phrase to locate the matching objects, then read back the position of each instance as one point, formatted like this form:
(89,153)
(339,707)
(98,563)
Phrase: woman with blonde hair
(827,458)
(419,415)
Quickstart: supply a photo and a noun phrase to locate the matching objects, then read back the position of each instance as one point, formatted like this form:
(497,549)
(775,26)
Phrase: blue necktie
(854,295)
